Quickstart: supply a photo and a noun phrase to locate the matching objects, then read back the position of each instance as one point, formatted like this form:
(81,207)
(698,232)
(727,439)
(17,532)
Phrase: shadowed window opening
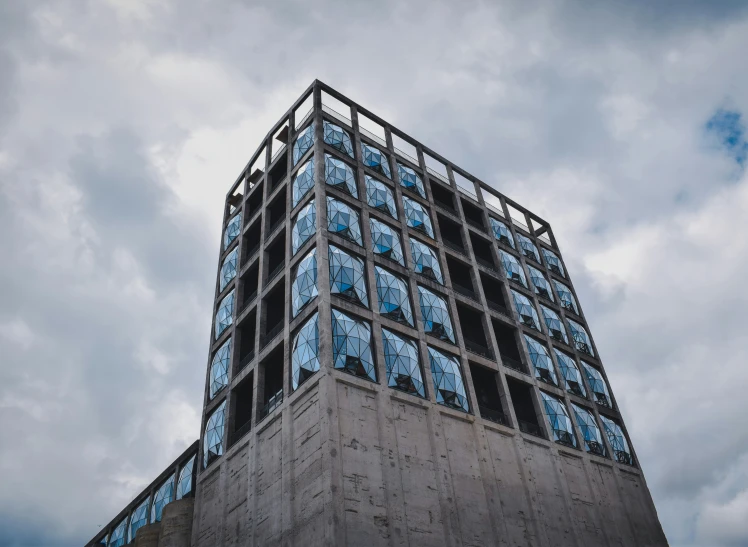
(485,384)
(443,197)
(251,242)
(506,339)
(473,215)
(246,334)
(471,325)
(241,400)
(461,277)
(276,257)
(451,234)
(527,419)
(482,250)
(276,212)
(275,308)
(493,289)
(271,380)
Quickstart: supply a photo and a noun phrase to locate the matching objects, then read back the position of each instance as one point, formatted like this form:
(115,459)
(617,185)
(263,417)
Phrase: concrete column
(176,523)
(148,535)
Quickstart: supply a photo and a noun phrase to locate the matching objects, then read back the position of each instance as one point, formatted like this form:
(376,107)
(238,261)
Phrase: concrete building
(398,357)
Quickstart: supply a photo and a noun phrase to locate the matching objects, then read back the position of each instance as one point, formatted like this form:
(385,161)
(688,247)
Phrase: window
(597,385)
(485,385)
(304,284)
(554,324)
(525,310)
(163,496)
(401,361)
(213,441)
(501,232)
(376,159)
(270,389)
(506,339)
(303,182)
(117,539)
(393,296)
(417,217)
(347,277)
(386,241)
(528,247)
(542,287)
(219,369)
(303,143)
(103,540)
(343,220)
(138,519)
(305,354)
(473,333)
(521,396)
(425,261)
(571,374)
(184,484)
(593,440)
(228,269)
(380,196)
(339,174)
(225,314)
(566,297)
(435,314)
(449,385)
(541,361)
(351,346)
(242,404)
(409,179)
(617,441)
(304,227)
(232,230)
(558,418)
(451,234)
(581,338)
(553,262)
(337,137)
(512,268)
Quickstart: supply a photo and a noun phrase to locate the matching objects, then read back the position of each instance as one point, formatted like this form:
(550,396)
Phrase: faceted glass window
(225,314)
(571,374)
(232,230)
(386,241)
(501,232)
(343,220)
(219,369)
(103,540)
(617,441)
(138,519)
(184,484)
(380,196)
(525,310)
(597,385)
(449,385)
(559,420)
(409,179)
(553,262)
(542,287)
(593,439)
(347,276)
(228,269)
(304,227)
(581,338)
(375,159)
(305,355)
(541,361)
(303,182)
(351,346)
(337,137)
(304,285)
(401,360)
(339,175)
(303,143)
(213,442)
(567,298)
(528,247)
(554,324)
(417,217)
(393,296)
(435,314)
(425,261)
(117,539)
(513,268)
(164,496)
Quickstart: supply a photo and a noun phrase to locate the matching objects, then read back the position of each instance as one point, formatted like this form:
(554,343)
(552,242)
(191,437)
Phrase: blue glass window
(343,220)
(213,442)
(525,310)
(528,247)
(566,297)
(228,269)
(597,385)
(553,262)
(219,369)
(303,143)
(512,268)
(542,287)
(103,540)
(425,261)
(304,227)
(347,276)
(339,174)
(375,159)
(617,441)
(559,420)
(303,182)
(138,519)
(409,179)
(225,314)
(163,496)
(117,539)
(337,137)
(581,338)
(435,314)
(304,285)
(593,439)
(571,374)
(554,324)
(380,196)
(386,241)
(449,385)
(184,484)
(305,355)
(501,232)
(393,296)
(401,360)
(232,230)
(351,346)
(417,217)
(541,361)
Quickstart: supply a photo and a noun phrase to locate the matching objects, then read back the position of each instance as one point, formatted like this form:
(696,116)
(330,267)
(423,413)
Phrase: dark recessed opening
(276,212)
(250,283)
(494,291)
(278,173)
(451,234)
(254,202)
(508,349)
(246,338)
(461,277)
(521,398)
(471,324)
(251,242)
(443,197)
(275,313)
(271,378)
(473,215)
(485,384)
(482,250)
(276,257)
(241,400)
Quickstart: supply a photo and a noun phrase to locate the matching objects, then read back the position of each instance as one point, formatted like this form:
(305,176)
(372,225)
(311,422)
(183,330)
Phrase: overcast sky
(124,122)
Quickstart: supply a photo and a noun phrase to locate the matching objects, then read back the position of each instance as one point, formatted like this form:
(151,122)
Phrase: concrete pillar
(176,523)
(148,535)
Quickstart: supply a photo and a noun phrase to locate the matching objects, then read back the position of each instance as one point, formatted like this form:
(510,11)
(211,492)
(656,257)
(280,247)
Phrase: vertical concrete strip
(176,523)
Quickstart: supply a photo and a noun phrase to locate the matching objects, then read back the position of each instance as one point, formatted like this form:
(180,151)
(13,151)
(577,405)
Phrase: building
(398,357)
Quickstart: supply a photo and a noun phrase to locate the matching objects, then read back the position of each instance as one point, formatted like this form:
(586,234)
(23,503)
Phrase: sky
(123,123)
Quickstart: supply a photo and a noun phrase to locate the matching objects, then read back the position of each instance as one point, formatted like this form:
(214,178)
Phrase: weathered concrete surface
(176,523)
(148,535)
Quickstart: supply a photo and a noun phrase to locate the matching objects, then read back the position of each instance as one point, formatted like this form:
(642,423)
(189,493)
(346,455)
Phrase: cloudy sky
(124,122)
